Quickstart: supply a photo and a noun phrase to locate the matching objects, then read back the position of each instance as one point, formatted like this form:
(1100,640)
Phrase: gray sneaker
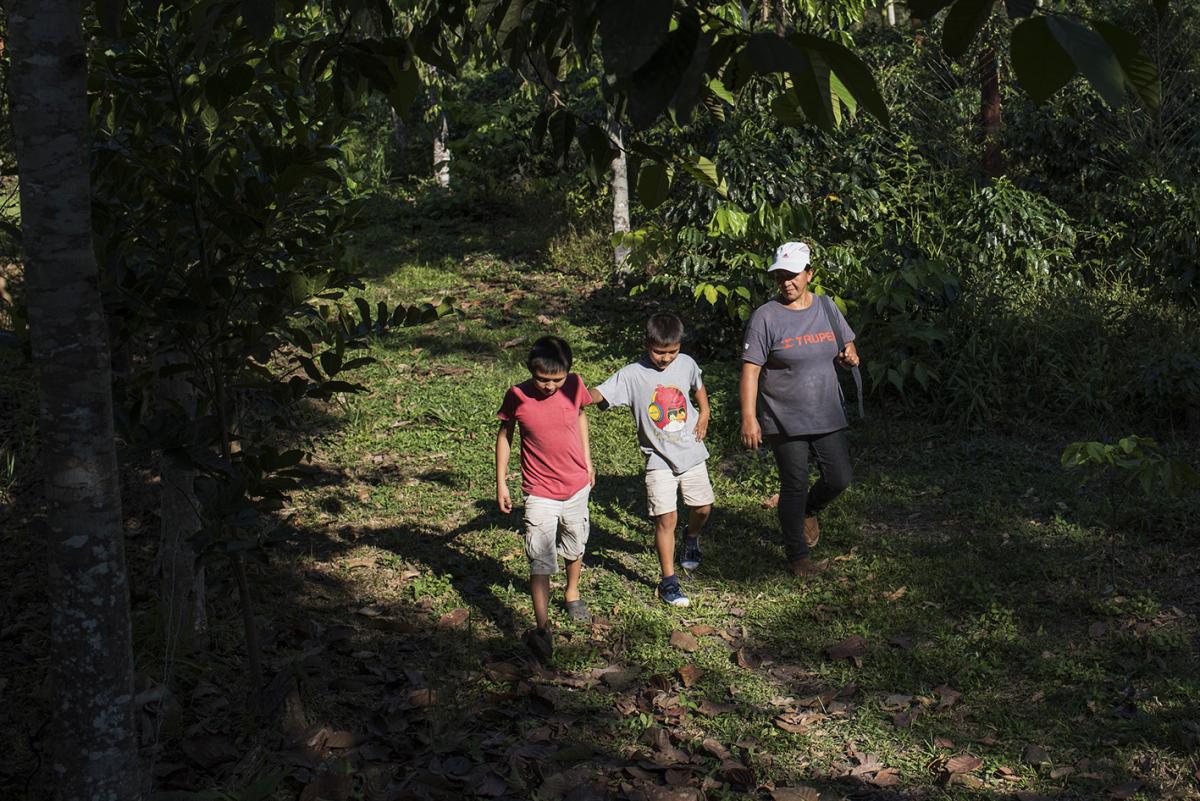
(691,553)
(668,590)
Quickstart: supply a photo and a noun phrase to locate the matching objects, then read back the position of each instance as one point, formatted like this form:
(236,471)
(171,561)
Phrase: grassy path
(989,645)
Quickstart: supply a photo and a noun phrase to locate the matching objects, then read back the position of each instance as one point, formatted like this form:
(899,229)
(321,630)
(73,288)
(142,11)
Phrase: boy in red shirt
(556,477)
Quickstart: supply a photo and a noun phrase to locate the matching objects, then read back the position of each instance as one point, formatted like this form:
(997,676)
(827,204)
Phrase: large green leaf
(598,151)
(1092,55)
(1140,72)
(811,84)
(653,184)
(259,16)
(964,22)
(631,32)
(854,74)
(653,86)
(926,9)
(1042,66)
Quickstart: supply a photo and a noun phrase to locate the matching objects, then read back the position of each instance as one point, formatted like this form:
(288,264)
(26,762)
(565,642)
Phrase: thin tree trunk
(620,192)
(890,13)
(182,594)
(441,151)
(989,112)
(91,658)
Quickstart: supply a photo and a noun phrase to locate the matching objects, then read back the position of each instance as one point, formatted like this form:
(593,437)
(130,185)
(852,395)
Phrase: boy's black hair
(549,355)
(664,329)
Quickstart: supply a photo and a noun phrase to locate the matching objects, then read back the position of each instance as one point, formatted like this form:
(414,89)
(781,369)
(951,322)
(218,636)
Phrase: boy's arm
(587,448)
(597,398)
(701,395)
(504,437)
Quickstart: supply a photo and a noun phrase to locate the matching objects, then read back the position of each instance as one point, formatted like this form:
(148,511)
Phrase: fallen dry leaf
(736,773)
(512,343)
(853,647)
(689,675)
(1097,630)
(339,739)
(793,723)
(714,749)
(888,777)
(988,739)
(684,641)
(797,793)
(904,720)
(1060,771)
(895,595)
(943,742)
(949,696)
(748,659)
(453,619)
(710,709)
(963,763)
(544,320)
(1126,790)
(422,697)
(702,630)
(1035,755)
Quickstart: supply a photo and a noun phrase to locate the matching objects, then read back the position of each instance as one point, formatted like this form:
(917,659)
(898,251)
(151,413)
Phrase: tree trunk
(890,13)
(989,112)
(182,588)
(91,658)
(620,192)
(441,151)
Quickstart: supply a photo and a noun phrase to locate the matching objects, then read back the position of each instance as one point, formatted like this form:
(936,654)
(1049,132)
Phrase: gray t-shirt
(798,388)
(662,408)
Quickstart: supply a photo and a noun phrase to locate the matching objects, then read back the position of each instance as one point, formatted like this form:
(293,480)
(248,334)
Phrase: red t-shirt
(553,464)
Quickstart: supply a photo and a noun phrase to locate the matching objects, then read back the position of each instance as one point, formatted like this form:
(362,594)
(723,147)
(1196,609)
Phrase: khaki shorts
(662,487)
(555,527)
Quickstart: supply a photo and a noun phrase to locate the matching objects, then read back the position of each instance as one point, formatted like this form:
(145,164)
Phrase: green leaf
(259,16)
(1140,72)
(561,126)
(210,119)
(653,184)
(1092,55)
(710,294)
(964,22)
(843,94)
(364,311)
(331,362)
(1019,8)
(662,78)
(631,32)
(717,88)
(598,151)
(926,9)
(1041,65)
(851,70)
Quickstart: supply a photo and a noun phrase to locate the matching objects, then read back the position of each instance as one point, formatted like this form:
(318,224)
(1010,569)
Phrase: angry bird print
(668,408)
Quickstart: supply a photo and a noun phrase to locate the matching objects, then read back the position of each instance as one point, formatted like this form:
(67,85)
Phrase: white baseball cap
(791,256)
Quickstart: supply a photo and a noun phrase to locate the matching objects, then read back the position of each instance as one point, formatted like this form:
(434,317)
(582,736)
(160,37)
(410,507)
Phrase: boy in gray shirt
(670,432)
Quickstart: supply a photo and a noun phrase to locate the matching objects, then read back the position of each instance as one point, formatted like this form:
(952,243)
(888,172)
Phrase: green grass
(958,558)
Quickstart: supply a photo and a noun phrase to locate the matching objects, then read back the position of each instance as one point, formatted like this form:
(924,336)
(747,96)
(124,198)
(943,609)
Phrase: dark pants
(796,501)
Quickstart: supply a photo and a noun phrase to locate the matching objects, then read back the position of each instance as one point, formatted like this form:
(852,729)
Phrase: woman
(790,398)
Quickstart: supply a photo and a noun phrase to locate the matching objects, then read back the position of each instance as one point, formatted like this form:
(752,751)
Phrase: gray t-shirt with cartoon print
(662,408)
(798,387)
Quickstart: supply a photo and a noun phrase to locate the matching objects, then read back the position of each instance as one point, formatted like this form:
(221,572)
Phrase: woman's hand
(849,356)
(751,433)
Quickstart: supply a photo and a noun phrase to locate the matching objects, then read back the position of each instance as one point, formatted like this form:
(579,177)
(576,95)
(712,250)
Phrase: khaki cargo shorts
(664,486)
(553,528)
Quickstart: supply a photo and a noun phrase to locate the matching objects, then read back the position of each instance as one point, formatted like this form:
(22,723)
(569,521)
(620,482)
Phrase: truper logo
(807,339)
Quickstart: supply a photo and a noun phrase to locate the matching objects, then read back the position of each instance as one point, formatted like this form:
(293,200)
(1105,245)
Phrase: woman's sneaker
(691,553)
(668,590)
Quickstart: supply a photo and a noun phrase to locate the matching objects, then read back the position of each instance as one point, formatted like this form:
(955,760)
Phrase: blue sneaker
(668,590)
(691,553)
